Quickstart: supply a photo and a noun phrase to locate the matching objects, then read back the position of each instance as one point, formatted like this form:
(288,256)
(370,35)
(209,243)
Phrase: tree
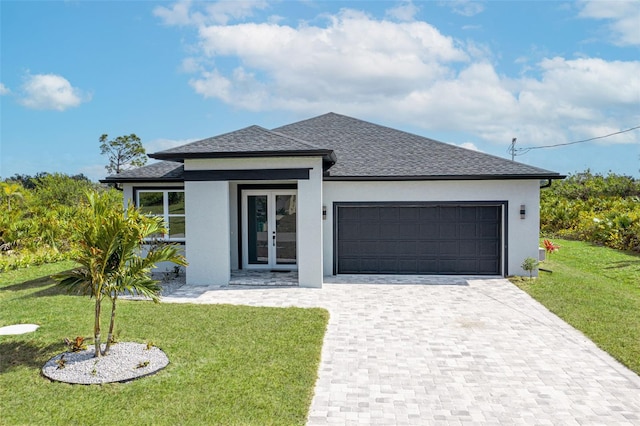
(110,261)
(11,190)
(123,152)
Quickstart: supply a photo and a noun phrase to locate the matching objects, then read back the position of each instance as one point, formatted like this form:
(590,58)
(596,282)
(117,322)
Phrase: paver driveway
(450,351)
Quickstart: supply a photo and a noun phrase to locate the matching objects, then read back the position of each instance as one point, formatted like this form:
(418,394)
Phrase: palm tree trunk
(114,298)
(96,327)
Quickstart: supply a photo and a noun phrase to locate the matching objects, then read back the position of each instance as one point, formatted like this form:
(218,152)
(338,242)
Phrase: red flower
(550,247)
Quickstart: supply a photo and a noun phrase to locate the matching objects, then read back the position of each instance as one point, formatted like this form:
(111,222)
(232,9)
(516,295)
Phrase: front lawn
(596,290)
(229,365)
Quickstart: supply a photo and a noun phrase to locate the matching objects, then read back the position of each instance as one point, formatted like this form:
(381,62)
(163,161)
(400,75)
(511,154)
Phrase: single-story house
(338,195)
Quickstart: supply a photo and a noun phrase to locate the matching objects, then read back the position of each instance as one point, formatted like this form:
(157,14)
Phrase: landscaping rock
(126,361)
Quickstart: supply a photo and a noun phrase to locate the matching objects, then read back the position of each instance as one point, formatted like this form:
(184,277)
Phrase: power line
(519,151)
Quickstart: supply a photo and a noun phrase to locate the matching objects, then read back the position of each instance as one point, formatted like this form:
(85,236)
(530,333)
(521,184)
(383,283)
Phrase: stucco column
(208,245)
(310,229)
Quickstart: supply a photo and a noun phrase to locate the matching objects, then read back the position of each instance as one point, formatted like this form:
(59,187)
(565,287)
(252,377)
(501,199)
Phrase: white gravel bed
(125,361)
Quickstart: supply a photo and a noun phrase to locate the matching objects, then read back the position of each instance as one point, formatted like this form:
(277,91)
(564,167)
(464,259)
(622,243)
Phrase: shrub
(594,208)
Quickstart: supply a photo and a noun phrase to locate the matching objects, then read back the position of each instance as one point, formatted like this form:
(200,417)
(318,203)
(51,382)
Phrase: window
(168,204)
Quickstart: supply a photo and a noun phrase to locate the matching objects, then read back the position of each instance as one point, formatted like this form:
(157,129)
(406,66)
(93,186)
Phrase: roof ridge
(293,138)
(206,139)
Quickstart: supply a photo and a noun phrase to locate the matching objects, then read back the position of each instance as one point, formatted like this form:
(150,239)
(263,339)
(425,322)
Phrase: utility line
(520,151)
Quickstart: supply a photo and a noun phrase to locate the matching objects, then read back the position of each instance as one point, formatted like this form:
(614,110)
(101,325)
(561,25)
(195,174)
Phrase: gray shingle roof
(250,141)
(363,150)
(163,171)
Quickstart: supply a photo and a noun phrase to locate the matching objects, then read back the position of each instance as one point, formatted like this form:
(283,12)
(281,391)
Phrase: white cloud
(224,11)
(313,62)
(623,17)
(50,91)
(177,14)
(403,12)
(4,90)
(410,72)
(181,13)
(161,144)
(465,7)
(469,145)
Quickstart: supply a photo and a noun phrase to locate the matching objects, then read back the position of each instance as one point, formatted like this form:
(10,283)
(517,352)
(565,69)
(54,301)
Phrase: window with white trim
(168,204)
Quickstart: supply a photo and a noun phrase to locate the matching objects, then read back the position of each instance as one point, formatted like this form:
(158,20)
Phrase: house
(337,195)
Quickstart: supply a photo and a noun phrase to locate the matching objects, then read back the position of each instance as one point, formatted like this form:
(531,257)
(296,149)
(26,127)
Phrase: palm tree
(132,273)
(110,261)
(11,190)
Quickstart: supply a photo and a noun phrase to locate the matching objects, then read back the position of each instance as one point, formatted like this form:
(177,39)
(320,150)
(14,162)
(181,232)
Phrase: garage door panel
(428,230)
(389,214)
(428,214)
(385,247)
(349,231)
(410,214)
(407,248)
(468,248)
(350,265)
(389,231)
(369,265)
(448,248)
(488,248)
(427,266)
(387,265)
(368,214)
(408,266)
(408,230)
(369,231)
(448,231)
(462,239)
(350,247)
(489,214)
(468,230)
(488,230)
(428,248)
(487,266)
(469,214)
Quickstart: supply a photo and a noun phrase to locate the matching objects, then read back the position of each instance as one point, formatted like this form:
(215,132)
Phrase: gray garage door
(427,239)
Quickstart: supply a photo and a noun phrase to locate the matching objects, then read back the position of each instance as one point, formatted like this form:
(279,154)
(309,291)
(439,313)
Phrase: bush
(38,214)
(594,208)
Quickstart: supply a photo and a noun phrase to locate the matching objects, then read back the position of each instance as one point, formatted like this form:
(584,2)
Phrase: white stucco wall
(522,233)
(208,241)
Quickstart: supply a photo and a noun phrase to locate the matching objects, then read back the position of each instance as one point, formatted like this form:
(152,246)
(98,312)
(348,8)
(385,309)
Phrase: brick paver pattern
(447,350)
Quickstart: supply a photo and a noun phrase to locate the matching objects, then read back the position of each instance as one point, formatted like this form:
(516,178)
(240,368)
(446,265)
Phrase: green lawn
(229,365)
(597,291)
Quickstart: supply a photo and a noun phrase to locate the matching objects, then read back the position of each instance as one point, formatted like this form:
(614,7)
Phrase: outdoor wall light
(523,211)
(324,212)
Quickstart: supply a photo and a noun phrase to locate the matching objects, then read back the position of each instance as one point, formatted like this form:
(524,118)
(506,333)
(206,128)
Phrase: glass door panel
(285,217)
(257,230)
(269,234)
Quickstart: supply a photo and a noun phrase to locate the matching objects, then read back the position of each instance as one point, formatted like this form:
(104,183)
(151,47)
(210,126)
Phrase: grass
(597,291)
(229,365)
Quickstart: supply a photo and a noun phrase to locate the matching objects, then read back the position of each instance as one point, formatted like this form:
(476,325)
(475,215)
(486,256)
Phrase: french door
(269,237)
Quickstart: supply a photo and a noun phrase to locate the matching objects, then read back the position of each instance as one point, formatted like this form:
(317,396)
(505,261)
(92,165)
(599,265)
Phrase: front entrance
(269,238)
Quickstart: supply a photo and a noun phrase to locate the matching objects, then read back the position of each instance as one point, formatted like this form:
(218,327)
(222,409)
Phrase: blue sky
(475,74)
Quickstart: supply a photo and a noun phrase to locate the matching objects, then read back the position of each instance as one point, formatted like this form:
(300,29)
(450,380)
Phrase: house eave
(444,177)
(141,179)
(327,154)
